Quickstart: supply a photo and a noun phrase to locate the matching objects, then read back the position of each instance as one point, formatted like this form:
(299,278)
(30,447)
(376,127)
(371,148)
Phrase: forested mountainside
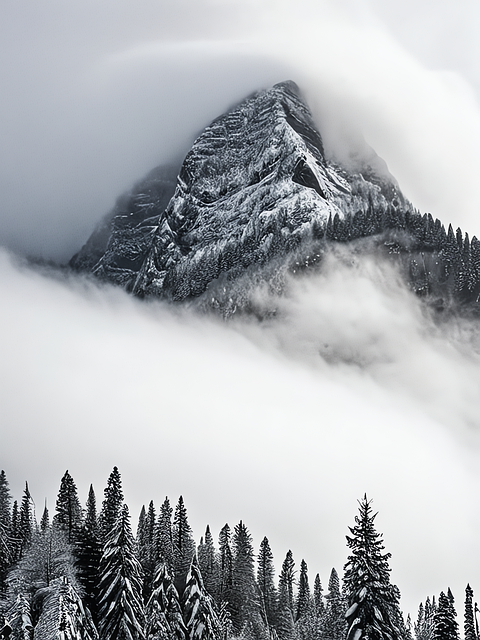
(255,200)
(83,575)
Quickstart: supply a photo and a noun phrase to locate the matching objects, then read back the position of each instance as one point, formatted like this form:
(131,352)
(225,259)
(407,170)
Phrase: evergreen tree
(206,562)
(286,580)
(63,615)
(371,599)
(285,620)
(424,626)
(112,504)
(7,550)
(163,611)
(88,551)
(318,597)
(198,609)
(45,519)
(164,537)
(26,525)
(445,625)
(303,595)
(334,622)
(121,614)
(266,581)
(183,545)
(15,534)
(243,601)
(146,548)
(5,502)
(469,624)
(68,511)
(225,566)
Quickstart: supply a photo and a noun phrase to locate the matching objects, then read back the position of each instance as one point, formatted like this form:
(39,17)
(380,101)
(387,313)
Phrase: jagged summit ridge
(255,186)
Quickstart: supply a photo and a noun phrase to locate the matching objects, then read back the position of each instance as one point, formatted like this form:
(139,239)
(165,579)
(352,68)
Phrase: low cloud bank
(283,424)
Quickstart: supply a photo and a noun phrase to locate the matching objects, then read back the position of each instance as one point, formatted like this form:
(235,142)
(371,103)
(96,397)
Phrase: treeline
(442,264)
(82,575)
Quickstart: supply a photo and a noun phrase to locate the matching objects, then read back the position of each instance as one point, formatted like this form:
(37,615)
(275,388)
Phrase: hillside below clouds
(256,199)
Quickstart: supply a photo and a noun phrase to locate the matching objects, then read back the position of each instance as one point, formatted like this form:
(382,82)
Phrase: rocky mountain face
(256,197)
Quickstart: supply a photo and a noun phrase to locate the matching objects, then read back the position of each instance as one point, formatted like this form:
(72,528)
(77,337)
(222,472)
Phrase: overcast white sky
(284,426)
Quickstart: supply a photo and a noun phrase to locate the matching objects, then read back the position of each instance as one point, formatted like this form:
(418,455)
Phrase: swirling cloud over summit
(94,97)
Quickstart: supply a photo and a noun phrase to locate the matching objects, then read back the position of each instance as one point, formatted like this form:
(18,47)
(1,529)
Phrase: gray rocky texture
(254,192)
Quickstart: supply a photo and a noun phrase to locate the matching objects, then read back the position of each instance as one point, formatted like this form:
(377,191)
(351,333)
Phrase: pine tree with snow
(469,619)
(26,524)
(318,602)
(286,581)
(68,511)
(266,581)
(198,609)
(445,626)
(371,599)
(15,534)
(164,537)
(120,606)
(45,519)
(424,626)
(63,615)
(156,610)
(285,621)
(7,550)
(334,619)
(146,548)
(112,504)
(303,596)
(183,545)
(243,600)
(224,566)
(88,551)
(206,562)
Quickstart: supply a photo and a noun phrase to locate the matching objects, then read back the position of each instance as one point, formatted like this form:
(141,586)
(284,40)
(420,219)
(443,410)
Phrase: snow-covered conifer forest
(81,573)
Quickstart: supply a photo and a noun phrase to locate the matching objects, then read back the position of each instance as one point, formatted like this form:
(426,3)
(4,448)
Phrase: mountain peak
(254,186)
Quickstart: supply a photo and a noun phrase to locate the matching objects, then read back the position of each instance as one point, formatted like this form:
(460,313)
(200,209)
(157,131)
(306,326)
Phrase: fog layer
(283,424)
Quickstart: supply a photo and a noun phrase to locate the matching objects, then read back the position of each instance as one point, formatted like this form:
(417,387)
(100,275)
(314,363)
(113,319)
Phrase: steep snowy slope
(255,187)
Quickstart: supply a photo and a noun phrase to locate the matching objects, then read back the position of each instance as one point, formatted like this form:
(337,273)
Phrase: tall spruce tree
(164,537)
(266,582)
(372,600)
(469,619)
(318,602)
(163,615)
(26,521)
(183,545)
(334,620)
(445,626)
(198,609)
(303,595)
(244,605)
(68,511)
(6,542)
(224,566)
(207,561)
(285,610)
(120,605)
(88,551)
(112,504)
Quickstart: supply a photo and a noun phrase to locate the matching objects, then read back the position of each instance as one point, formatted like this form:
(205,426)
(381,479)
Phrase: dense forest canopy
(82,574)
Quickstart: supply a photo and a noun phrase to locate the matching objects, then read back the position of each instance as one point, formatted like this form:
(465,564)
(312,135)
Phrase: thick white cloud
(282,424)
